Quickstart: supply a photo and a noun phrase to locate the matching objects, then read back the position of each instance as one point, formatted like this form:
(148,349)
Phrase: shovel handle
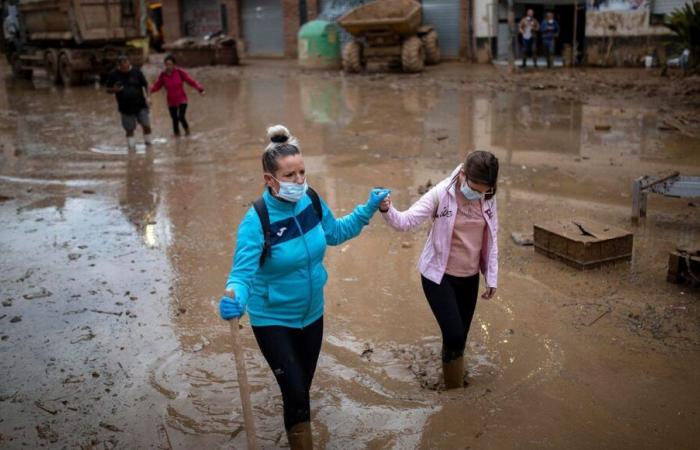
(243,385)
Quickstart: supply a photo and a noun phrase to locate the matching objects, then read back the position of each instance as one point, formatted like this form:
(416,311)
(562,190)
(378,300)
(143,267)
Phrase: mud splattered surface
(112,263)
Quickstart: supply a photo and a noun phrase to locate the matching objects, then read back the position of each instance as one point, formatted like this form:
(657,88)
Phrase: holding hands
(377,196)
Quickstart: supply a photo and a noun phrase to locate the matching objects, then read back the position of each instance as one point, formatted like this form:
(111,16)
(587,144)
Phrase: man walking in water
(529,26)
(131,90)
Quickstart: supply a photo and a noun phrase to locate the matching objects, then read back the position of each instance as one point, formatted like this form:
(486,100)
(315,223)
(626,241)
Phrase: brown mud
(112,263)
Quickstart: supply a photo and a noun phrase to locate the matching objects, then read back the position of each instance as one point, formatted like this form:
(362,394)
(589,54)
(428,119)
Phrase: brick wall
(312,9)
(234,27)
(172,20)
(290,15)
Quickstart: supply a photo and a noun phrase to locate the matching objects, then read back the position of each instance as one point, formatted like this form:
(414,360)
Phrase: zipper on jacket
(308,267)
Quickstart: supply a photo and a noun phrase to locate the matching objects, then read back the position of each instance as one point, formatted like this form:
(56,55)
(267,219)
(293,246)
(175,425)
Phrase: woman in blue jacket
(280,280)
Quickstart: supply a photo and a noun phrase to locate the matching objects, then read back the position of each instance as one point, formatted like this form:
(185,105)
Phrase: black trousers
(453,302)
(292,355)
(177,114)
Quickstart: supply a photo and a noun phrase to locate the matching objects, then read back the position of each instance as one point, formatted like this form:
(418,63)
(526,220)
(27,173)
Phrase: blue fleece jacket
(288,289)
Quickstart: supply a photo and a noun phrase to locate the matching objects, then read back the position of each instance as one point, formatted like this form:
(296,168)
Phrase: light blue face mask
(292,192)
(469,193)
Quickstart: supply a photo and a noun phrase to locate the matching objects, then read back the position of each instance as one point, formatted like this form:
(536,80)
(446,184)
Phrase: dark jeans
(528,50)
(549,48)
(177,113)
(292,355)
(453,302)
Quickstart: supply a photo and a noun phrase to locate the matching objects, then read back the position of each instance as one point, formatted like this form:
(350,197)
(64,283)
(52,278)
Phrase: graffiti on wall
(617,5)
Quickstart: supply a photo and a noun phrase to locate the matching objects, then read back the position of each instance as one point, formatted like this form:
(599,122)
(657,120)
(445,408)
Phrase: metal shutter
(666,6)
(444,15)
(263,27)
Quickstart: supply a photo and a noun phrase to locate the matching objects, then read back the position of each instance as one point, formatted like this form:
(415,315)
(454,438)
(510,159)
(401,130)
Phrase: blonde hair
(282,143)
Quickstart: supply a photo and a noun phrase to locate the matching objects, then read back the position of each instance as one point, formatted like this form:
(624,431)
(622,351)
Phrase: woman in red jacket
(174,79)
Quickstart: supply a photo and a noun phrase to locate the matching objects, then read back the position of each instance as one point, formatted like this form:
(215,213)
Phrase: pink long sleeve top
(440,204)
(174,83)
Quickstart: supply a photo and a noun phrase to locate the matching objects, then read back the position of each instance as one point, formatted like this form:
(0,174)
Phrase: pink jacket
(175,85)
(441,204)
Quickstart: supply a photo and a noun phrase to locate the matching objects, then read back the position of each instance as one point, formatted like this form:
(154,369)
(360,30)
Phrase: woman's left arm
(491,272)
(347,227)
(191,81)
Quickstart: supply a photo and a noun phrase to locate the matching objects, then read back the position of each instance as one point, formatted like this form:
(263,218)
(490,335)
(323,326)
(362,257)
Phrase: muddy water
(114,261)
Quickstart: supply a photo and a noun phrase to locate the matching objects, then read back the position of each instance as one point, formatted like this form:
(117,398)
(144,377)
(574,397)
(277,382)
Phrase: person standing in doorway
(529,26)
(174,79)
(131,90)
(550,33)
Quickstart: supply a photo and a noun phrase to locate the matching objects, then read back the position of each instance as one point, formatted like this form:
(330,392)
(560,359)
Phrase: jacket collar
(276,203)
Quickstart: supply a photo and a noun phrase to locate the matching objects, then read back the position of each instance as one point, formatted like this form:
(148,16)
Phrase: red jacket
(175,85)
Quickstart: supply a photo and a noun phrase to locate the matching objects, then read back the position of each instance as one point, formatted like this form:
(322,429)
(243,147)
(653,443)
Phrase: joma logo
(281,231)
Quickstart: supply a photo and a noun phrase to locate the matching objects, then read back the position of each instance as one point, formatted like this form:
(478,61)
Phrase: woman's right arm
(246,258)
(158,84)
(414,216)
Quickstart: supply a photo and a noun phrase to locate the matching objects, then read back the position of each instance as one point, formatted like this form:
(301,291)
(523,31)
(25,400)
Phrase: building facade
(269,28)
(597,32)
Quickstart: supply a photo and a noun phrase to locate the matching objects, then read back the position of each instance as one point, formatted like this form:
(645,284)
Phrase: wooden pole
(574,44)
(243,386)
(511,37)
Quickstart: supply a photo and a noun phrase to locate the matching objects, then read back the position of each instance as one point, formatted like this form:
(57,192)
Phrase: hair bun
(278,134)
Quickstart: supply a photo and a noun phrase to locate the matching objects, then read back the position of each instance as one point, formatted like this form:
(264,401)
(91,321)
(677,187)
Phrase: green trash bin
(319,45)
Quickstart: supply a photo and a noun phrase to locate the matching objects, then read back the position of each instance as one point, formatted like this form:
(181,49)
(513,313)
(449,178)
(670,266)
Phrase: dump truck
(72,39)
(387,34)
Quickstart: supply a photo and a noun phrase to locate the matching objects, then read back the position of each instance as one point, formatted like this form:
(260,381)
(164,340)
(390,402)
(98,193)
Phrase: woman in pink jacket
(174,79)
(462,242)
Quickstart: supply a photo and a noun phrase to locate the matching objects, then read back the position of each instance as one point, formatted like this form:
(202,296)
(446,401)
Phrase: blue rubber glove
(376,196)
(230,307)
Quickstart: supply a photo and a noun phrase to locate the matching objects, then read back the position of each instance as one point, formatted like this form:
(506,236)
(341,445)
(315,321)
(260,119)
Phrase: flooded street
(112,266)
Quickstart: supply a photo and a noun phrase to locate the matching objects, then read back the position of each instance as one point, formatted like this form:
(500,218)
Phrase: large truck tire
(51,66)
(352,57)
(412,55)
(69,77)
(17,70)
(432,48)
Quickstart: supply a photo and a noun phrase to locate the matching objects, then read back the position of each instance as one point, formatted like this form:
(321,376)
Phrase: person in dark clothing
(528,27)
(550,33)
(131,91)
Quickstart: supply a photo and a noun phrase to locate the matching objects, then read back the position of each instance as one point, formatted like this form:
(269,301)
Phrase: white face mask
(292,192)
(469,193)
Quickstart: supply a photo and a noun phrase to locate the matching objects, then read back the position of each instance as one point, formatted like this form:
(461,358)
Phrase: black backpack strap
(316,201)
(264,216)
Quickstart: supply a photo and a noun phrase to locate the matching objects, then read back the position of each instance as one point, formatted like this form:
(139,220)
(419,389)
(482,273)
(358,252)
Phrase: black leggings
(177,113)
(292,355)
(453,302)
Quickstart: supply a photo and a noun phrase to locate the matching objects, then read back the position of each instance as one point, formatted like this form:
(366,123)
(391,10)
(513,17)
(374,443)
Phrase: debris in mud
(40,294)
(16,319)
(98,311)
(425,188)
(602,127)
(367,351)
(110,427)
(7,302)
(46,433)
(5,198)
(74,256)
(523,239)
(89,335)
(88,191)
(43,407)
(406,244)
